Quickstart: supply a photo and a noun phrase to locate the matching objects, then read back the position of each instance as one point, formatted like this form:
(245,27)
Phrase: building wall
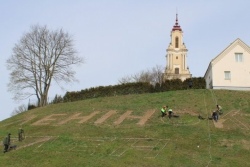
(240,71)
(176,60)
(179,35)
(209,78)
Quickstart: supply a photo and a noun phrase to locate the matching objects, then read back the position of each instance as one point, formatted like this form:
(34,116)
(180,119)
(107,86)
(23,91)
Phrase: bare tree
(126,79)
(19,109)
(153,76)
(143,76)
(157,74)
(40,57)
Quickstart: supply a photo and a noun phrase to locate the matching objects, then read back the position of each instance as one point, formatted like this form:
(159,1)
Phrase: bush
(134,88)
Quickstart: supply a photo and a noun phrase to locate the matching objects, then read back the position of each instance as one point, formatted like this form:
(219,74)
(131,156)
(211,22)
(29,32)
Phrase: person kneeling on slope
(163,111)
(219,109)
(215,116)
(170,113)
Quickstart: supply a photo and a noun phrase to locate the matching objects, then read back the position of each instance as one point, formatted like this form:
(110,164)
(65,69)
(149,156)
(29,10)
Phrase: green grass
(58,141)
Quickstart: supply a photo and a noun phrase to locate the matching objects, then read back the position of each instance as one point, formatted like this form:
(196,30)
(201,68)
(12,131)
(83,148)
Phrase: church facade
(176,56)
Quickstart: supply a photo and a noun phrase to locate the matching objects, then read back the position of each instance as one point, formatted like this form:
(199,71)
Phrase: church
(176,56)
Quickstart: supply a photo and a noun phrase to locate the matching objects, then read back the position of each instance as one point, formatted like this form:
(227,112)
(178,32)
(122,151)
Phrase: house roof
(228,49)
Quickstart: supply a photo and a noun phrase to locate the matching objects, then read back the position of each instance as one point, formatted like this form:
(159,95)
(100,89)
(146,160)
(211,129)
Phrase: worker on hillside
(190,84)
(219,109)
(163,111)
(215,116)
(170,113)
(20,134)
(6,143)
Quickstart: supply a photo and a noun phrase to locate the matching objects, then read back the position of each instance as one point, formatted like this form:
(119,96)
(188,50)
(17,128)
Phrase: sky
(119,38)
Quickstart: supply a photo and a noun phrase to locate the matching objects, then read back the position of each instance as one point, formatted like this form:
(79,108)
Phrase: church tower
(176,56)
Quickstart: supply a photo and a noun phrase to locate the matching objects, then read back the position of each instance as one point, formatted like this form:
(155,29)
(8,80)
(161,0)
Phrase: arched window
(176,42)
(176,70)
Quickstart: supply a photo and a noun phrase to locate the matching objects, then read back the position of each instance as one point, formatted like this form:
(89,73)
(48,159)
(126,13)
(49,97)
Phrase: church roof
(176,26)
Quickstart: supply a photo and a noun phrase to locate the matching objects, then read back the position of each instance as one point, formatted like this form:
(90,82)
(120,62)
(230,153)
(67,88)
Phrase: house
(230,69)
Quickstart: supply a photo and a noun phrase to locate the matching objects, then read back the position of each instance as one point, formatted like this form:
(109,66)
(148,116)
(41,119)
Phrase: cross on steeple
(176,26)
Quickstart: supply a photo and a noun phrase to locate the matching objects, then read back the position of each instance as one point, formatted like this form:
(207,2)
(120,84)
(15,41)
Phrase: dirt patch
(246,144)
(105,117)
(127,115)
(146,117)
(78,117)
(48,119)
(227,143)
(235,117)
(219,123)
(28,119)
(40,140)
(186,112)
(230,143)
(123,117)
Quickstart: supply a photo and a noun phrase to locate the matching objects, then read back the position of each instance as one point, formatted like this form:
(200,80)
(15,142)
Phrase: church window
(176,70)
(176,42)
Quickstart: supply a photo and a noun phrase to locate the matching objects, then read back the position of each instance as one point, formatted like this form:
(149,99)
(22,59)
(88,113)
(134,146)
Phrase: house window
(238,57)
(176,70)
(176,42)
(227,75)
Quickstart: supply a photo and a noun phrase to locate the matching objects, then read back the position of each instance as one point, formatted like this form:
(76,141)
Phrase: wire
(209,131)
(213,96)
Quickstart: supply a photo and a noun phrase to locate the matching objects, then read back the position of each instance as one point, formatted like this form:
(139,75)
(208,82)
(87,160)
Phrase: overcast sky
(118,38)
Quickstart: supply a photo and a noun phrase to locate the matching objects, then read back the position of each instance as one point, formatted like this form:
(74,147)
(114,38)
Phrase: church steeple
(177,55)
(176,26)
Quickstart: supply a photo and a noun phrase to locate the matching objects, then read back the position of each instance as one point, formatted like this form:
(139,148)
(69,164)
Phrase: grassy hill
(128,131)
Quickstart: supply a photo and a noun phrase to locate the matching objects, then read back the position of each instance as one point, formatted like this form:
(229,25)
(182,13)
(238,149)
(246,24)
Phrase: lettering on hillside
(61,119)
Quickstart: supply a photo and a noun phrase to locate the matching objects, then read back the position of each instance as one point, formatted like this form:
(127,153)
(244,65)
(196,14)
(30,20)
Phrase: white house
(230,69)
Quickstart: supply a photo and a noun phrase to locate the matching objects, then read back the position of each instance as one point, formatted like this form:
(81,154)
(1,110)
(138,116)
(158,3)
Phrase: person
(219,109)
(190,84)
(163,111)
(170,113)
(215,116)
(6,143)
(20,134)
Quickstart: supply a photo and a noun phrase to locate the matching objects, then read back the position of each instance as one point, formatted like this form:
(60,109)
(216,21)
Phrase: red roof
(176,26)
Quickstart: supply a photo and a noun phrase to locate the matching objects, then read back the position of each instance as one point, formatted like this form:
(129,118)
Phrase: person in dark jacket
(6,143)
(20,134)
(215,116)
(170,113)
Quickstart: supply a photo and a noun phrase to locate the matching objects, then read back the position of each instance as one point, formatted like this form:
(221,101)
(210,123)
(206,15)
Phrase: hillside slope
(128,131)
